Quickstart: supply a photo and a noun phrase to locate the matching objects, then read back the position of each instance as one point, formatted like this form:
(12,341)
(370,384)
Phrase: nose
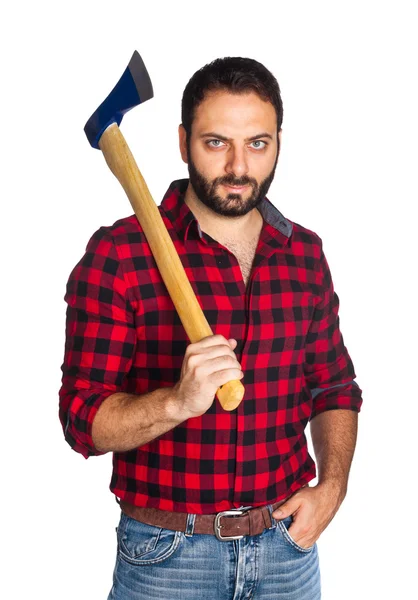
(237,162)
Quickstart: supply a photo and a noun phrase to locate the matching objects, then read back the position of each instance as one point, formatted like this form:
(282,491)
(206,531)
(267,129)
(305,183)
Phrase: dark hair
(236,75)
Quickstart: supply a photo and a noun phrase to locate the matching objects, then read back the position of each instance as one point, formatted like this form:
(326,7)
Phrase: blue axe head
(134,87)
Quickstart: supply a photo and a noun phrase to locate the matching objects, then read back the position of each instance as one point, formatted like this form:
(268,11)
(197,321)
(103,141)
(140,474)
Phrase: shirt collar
(185,223)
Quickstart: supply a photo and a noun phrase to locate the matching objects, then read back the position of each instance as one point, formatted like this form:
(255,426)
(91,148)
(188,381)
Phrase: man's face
(232,152)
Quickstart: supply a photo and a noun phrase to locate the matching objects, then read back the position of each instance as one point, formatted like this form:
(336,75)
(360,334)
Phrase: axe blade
(133,88)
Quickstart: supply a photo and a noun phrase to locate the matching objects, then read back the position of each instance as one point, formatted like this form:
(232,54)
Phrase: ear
(279,140)
(182,143)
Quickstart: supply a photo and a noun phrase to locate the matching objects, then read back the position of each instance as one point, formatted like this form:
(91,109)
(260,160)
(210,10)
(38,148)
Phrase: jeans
(158,564)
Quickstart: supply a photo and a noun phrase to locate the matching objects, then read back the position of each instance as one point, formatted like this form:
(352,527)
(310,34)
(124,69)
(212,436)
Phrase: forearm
(126,421)
(334,435)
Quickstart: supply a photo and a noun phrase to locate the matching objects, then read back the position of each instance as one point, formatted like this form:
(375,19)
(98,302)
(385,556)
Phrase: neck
(220,226)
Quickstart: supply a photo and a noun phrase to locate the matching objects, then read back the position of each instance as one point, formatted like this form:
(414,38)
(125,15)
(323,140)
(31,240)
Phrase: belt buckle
(236,512)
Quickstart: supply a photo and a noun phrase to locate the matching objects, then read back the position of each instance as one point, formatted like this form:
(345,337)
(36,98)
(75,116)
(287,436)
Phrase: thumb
(286,509)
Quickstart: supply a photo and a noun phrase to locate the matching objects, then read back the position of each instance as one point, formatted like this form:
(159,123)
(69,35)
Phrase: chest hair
(245,253)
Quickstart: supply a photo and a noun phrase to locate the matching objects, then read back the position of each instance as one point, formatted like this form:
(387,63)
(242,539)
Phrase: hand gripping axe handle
(102,130)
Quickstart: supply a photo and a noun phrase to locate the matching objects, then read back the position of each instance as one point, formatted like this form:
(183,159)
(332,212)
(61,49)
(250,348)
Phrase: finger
(222,377)
(212,340)
(221,363)
(300,534)
(210,352)
(287,508)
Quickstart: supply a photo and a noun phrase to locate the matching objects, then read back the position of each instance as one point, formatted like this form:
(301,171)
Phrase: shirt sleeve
(100,340)
(329,371)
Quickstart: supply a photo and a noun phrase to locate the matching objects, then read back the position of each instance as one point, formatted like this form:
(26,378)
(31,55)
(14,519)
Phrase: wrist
(333,489)
(176,410)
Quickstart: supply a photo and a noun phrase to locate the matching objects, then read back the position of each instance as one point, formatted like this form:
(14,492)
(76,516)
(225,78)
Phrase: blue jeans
(160,564)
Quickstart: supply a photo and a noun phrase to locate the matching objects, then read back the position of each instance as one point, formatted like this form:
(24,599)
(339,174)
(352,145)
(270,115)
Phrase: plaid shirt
(123,334)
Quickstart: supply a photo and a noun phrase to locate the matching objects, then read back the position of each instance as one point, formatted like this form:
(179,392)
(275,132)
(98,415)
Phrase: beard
(233,205)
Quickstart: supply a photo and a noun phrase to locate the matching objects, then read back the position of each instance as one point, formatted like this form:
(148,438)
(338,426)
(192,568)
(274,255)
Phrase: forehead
(228,113)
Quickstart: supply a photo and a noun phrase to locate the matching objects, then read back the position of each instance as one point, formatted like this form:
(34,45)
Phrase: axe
(102,131)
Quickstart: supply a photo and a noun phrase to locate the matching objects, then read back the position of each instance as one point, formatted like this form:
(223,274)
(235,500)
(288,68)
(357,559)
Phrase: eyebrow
(213,134)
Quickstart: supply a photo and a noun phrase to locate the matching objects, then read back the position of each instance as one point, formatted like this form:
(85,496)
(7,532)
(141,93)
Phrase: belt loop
(190,525)
(273,520)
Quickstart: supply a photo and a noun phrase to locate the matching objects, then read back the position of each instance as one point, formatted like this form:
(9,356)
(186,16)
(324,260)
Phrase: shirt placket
(244,453)
(250,332)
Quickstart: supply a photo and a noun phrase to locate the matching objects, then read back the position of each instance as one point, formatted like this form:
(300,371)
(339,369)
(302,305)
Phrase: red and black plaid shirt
(123,334)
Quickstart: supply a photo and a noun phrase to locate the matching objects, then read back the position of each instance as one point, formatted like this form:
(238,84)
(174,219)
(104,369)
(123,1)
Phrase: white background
(347,170)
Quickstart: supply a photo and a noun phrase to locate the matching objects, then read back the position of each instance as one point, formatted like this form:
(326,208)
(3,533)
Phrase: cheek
(210,164)
(261,167)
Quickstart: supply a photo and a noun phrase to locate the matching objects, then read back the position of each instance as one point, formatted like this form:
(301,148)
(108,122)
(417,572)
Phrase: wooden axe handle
(123,166)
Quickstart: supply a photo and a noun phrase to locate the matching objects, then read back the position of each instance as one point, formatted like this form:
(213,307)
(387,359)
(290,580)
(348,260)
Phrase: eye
(215,143)
(258,144)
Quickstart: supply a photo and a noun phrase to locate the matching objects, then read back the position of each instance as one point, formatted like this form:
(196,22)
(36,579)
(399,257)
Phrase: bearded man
(215,504)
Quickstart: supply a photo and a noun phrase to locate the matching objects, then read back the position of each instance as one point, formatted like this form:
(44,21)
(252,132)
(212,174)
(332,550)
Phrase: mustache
(235,181)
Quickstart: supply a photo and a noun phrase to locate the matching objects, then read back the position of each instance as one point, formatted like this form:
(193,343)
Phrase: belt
(226,525)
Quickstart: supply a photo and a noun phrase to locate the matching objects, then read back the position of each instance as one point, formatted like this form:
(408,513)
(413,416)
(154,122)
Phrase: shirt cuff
(79,423)
(340,396)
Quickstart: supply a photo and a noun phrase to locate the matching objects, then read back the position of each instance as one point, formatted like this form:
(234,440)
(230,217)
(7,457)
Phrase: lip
(239,188)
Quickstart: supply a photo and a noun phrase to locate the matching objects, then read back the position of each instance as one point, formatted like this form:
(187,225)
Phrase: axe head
(134,87)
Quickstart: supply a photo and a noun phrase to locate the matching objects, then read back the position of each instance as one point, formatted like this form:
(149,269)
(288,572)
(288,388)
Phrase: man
(134,385)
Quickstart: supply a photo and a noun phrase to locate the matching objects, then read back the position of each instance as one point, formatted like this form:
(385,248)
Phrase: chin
(234,197)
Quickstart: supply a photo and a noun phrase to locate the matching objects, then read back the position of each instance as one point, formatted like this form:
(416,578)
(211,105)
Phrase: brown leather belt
(226,525)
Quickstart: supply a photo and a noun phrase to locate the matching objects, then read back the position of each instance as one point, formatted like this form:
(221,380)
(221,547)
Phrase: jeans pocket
(284,525)
(142,544)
